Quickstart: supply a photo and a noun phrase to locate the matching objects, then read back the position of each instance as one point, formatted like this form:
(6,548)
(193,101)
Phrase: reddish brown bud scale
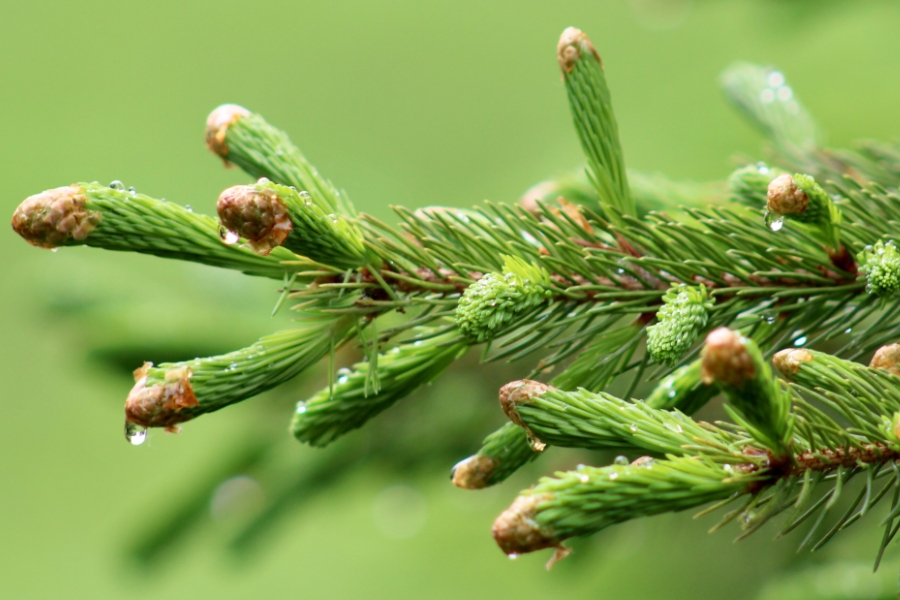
(784,197)
(517,531)
(161,404)
(49,219)
(474,472)
(788,361)
(217,127)
(572,43)
(258,215)
(726,359)
(521,392)
(887,357)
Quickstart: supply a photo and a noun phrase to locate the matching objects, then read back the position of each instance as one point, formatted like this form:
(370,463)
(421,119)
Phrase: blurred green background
(399,103)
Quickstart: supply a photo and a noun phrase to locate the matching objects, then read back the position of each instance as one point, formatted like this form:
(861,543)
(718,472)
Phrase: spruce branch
(595,122)
(601,279)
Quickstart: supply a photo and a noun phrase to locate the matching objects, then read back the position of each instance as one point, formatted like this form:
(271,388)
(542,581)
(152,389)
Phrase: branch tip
(572,43)
(160,404)
(217,127)
(259,215)
(49,219)
(784,196)
(726,359)
(887,357)
(517,531)
(473,473)
(516,393)
(788,361)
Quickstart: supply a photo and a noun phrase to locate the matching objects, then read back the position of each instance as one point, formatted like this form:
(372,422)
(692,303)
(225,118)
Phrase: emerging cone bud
(474,473)
(788,361)
(520,392)
(516,531)
(887,357)
(258,215)
(784,197)
(572,43)
(217,127)
(160,404)
(726,359)
(49,219)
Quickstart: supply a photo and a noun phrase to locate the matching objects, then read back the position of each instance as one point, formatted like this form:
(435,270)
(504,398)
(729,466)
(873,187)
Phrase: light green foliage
(761,405)
(502,453)
(595,122)
(682,390)
(493,303)
(682,318)
(589,499)
(265,151)
(323,236)
(130,221)
(822,217)
(347,404)
(748,185)
(881,263)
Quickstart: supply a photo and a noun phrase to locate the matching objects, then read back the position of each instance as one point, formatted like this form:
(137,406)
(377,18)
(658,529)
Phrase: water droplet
(228,237)
(672,393)
(776,224)
(770,319)
(674,427)
(301,408)
(132,191)
(583,478)
(622,460)
(785,93)
(134,434)
(54,249)
(767,96)
(613,476)
(633,428)
(513,556)
(848,330)
(800,341)
(116,185)
(189,208)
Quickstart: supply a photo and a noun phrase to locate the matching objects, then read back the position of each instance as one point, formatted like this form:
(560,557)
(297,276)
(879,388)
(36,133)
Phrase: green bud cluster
(881,262)
(491,304)
(683,316)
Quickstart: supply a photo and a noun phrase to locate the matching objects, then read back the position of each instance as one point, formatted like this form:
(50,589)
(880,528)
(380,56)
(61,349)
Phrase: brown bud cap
(160,404)
(516,531)
(788,361)
(217,124)
(572,43)
(784,197)
(538,191)
(519,392)
(725,359)
(474,472)
(258,215)
(48,219)
(887,357)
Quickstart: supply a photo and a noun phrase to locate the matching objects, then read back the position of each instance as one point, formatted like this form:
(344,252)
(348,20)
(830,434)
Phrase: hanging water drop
(134,434)
(775,224)
(229,237)
(622,460)
(800,341)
